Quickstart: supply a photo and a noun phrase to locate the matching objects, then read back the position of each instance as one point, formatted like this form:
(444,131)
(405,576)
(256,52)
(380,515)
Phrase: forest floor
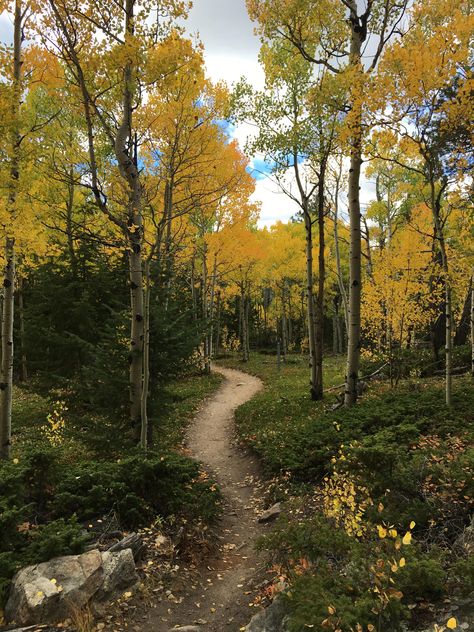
(219,593)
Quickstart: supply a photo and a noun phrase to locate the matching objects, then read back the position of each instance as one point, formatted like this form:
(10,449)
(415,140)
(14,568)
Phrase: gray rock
(119,574)
(272,619)
(45,593)
(464,545)
(271,514)
(186,628)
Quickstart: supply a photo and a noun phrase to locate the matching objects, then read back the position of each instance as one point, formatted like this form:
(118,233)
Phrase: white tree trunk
(8,312)
(353,332)
(310,300)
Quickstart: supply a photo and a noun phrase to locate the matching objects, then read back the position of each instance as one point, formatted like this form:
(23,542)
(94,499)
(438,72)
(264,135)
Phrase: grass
(89,436)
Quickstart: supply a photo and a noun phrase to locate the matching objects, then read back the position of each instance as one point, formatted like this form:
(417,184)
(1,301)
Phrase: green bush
(338,575)
(40,493)
(423,577)
(58,537)
(138,488)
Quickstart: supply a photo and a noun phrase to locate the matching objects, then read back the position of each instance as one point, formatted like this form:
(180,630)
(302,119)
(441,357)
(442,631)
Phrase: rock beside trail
(46,593)
(186,628)
(270,514)
(272,619)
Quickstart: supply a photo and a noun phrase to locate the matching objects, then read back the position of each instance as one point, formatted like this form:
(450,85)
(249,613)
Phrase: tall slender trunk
(353,333)
(317,392)
(335,339)
(340,335)
(247,326)
(168,239)
(8,312)
(218,323)
(129,171)
(244,313)
(212,300)
(136,337)
(439,232)
(310,301)
(193,288)
(284,325)
(6,385)
(205,313)
(69,225)
(145,434)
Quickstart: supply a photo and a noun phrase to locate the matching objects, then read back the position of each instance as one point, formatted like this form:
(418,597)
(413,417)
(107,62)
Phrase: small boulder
(272,619)
(45,593)
(270,514)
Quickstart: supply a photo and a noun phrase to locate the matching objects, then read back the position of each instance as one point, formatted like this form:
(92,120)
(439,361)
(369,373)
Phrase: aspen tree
(330,34)
(9,279)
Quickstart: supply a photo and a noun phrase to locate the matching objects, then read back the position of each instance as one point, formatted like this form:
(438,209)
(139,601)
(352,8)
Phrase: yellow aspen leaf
(402,562)
(412,524)
(407,538)
(331,610)
(382,531)
(452,624)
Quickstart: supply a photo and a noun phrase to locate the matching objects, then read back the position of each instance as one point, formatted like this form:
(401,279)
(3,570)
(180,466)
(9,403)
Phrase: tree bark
(317,392)
(439,234)
(310,300)
(8,312)
(284,325)
(129,171)
(353,333)
(218,323)
(205,313)
(145,431)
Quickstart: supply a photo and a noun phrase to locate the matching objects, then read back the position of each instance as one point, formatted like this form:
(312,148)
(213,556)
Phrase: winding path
(219,599)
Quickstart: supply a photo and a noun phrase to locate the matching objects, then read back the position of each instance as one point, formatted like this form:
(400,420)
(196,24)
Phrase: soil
(220,595)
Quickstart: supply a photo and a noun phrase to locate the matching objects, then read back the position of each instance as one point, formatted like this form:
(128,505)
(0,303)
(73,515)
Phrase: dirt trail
(217,600)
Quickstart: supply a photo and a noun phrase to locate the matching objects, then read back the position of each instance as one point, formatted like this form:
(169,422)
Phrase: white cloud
(276,206)
(231,67)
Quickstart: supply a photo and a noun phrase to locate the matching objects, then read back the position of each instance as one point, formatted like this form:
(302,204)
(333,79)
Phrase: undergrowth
(70,471)
(353,476)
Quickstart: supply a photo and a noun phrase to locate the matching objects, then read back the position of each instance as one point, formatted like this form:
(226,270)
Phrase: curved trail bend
(219,599)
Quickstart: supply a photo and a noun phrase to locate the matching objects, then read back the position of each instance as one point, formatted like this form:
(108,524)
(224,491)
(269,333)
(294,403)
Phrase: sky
(231,51)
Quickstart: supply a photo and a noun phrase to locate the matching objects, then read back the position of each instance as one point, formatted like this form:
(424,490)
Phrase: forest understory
(376,504)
